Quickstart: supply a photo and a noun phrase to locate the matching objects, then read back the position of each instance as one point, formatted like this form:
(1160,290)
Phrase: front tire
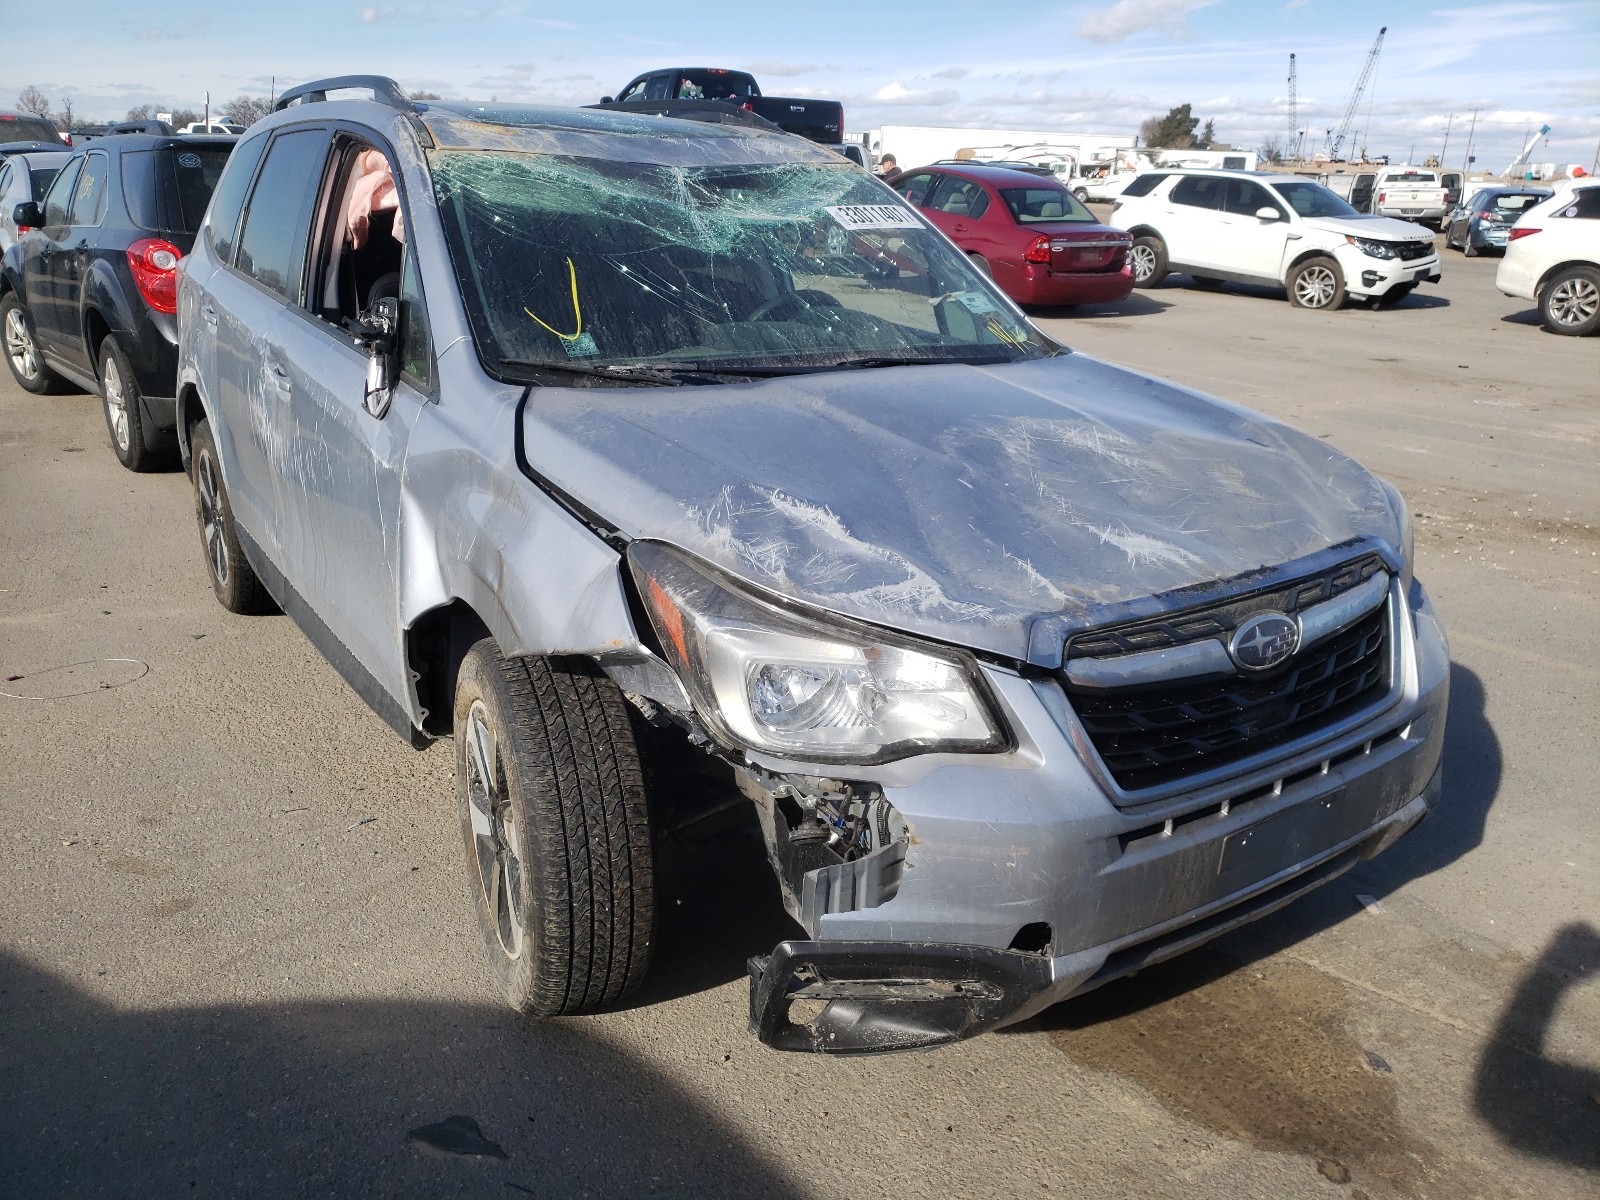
(21,345)
(120,398)
(1082,194)
(233,580)
(1149,258)
(1570,302)
(1316,283)
(556,826)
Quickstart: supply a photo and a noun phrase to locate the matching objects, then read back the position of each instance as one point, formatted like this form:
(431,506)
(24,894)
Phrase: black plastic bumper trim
(878,997)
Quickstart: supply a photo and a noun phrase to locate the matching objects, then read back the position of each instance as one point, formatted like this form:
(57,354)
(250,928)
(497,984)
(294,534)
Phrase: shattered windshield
(595,265)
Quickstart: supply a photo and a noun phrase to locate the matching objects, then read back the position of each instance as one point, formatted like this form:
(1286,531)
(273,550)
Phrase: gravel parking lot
(237,952)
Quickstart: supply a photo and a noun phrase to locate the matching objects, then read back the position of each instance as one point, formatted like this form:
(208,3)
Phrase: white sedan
(1553,258)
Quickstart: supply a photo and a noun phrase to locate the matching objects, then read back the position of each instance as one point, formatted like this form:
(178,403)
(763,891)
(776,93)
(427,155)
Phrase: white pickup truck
(1410,193)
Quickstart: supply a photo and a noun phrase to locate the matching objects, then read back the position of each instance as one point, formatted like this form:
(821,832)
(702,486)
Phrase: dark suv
(88,296)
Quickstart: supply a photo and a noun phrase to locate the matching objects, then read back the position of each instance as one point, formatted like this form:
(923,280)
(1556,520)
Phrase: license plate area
(1418,276)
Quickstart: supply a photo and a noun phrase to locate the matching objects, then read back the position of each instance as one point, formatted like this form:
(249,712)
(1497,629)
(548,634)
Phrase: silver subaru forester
(571,435)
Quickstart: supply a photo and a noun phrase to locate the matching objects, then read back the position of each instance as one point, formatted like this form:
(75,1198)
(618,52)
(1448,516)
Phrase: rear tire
(1149,258)
(233,579)
(1570,302)
(982,264)
(556,825)
(1316,283)
(120,398)
(1468,250)
(21,345)
(1082,194)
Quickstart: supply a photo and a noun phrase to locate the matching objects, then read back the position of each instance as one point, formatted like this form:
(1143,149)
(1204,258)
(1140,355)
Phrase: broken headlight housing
(1374,249)
(764,677)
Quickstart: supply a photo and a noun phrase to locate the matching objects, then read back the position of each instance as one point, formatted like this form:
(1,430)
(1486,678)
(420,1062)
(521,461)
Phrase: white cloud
(1126,18)
(781,69)
(951,73)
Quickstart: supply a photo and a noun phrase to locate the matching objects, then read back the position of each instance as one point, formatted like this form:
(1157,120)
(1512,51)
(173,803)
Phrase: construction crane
(1292,149)
(1336,137)
(1526,150)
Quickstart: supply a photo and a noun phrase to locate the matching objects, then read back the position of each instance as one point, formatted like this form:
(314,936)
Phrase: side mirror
(27,215)
(608,100)
(1267,213)
(377,331)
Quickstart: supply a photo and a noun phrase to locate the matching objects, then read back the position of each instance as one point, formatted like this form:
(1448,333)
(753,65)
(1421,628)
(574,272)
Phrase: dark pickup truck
(820,120)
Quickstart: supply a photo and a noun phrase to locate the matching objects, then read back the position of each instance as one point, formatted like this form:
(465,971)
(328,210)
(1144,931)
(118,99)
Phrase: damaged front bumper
(1022,884)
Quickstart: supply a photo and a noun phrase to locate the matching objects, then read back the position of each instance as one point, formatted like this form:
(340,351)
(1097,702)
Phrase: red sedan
(1036,238)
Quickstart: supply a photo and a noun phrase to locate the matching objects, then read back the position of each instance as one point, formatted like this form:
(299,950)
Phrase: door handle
(210,315)
(280,377)
(960,228)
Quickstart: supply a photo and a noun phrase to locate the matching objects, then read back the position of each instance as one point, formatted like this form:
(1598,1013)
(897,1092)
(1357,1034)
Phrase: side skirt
(361,681)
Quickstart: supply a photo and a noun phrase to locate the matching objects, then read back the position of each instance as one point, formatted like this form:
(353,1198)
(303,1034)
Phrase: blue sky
(1100,66)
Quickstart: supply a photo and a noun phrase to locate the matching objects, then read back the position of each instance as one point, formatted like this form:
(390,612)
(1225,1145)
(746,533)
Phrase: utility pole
(207,125)
(1447,127)
(1466,159)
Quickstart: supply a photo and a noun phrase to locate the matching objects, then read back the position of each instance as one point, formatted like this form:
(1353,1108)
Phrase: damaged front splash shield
(882,996)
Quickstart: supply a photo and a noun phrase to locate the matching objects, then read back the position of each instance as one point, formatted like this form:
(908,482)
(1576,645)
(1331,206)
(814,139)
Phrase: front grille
(1411,250)
(1152,735)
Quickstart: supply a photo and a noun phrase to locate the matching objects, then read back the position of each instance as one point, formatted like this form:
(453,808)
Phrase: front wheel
(1316,283)
(22,349)
(556,825)
(1149,258)
(1570,302)
(1082,194)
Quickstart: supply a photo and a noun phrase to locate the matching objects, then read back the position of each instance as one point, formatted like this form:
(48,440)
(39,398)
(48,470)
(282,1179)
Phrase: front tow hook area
(877,997)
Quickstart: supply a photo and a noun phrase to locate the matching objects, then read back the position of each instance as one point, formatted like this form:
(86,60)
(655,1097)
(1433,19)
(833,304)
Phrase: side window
(915,188)
(5,181)
(416,347)
(1143,185)
(55,204)
(1586,204)
(360,251)
(222,219)
(656,86)
(273,241)
(1198,191)
(1244,196)
(634,91)
(89,197)
(959,197)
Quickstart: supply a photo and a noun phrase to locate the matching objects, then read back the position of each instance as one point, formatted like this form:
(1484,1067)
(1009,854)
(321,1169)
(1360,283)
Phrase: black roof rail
(384,90)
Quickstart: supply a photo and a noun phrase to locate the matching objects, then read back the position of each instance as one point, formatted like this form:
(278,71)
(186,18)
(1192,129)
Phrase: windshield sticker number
(873,216)
(581,346)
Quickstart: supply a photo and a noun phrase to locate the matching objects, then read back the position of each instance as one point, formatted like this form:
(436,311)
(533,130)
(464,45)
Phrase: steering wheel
(803,299)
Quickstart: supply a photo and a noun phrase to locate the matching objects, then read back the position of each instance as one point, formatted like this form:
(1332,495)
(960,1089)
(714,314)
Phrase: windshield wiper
(650,376)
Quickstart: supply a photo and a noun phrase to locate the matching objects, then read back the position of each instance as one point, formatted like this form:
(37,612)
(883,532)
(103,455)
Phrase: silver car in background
(594,441)
(24,179)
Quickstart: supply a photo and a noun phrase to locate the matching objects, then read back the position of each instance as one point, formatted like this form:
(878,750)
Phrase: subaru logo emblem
(1264,641)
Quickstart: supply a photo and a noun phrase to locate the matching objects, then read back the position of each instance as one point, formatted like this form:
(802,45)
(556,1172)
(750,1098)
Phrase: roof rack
(384,90)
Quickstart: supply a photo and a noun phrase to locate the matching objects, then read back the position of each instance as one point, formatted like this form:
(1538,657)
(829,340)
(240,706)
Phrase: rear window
(1143,185)
(1516,203)
(1031,206)
(26,129)
(42,178)
(169,189)
(715,85)
(1412,177)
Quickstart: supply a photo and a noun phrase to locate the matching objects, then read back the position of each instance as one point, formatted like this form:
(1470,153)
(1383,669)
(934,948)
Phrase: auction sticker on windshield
(873,216)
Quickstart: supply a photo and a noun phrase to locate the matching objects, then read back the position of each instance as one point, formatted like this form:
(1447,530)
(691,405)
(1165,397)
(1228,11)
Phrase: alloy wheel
(1144,263)
(1574,301)
(494,832)
(116,402)
(1315,286)
(19,345)
(210,493)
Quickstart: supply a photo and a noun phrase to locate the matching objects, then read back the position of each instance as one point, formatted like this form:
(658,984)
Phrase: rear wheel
(981,263)
(1468,250)
(556,829)
(1570,302)
(232,578)
(1082,193)
(1316,283)
(1149,259)
(119,396)
(22,349)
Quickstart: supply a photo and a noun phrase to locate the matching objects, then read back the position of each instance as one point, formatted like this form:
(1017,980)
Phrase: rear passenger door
(262,463)
(1189,220)
(344,526)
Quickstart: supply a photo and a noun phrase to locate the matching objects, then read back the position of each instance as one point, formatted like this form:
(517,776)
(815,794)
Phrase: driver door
(1245,243)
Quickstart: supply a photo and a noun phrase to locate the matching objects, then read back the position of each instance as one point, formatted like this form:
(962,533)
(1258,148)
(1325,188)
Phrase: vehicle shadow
(1473,767)
(316,1098)
(1528,316)
(1136,304)
(1537,1104)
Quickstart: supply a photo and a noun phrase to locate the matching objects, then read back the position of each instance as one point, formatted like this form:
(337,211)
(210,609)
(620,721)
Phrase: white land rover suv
(1250,227)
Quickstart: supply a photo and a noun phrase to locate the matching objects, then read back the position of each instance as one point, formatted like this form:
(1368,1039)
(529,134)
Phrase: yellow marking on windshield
(577,310)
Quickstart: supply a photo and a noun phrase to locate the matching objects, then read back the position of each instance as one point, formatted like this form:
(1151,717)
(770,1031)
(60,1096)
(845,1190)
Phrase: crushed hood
(956,502)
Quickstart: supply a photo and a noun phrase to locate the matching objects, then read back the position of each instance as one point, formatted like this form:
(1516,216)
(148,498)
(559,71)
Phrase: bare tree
(426,96)
(66,118)
(184,116)
(142,113)
(32,100)
(1271,151)
(244,110)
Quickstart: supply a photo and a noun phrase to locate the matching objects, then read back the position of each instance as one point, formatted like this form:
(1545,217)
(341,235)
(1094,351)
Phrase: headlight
(764,678)
(1408,537)
(1372,248)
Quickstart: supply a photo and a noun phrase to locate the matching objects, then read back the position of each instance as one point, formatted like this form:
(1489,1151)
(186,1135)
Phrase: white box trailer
(919,145)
